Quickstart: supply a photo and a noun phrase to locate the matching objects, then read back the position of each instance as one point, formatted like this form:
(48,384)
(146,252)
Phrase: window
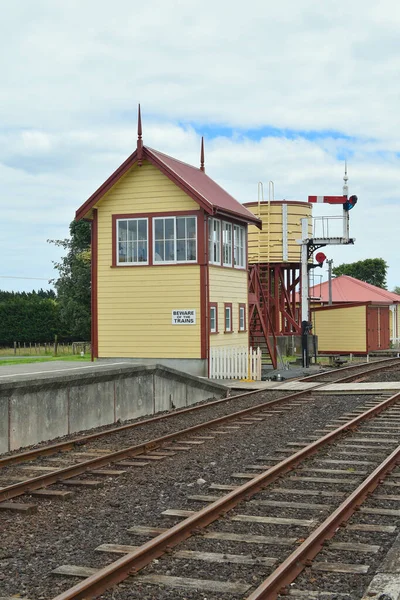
(214,241)
(186,239)
(228,317)
(175,240)
(226,244)
(213,317)
(229,238)
(239,245)
(132,236)
(242,317)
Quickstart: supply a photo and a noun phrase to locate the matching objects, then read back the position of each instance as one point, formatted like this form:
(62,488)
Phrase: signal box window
(214,241)
(175,240)
(226,244)
(132,236)
(242,317)
(239,236)
(213,317)
(228,317)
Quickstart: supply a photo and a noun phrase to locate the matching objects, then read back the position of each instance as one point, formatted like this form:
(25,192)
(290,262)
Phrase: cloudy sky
(282,91)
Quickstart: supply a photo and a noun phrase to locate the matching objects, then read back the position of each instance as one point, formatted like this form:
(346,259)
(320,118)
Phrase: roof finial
(345,179)
(202,155)
(139,140)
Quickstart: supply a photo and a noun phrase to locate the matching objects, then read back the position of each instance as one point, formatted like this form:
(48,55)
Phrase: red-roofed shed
(362,318)
(350,289)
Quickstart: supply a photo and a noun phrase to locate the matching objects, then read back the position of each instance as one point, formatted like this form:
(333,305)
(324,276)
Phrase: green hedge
(28,317)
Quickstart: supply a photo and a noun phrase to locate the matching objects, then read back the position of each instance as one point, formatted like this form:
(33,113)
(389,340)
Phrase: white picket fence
(235,363)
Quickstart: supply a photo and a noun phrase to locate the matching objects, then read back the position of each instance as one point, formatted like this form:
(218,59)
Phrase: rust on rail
(134,561)
(287,572)
(85,439)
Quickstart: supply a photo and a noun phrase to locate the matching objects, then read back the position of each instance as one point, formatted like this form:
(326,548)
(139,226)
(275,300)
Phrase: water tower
(274,256)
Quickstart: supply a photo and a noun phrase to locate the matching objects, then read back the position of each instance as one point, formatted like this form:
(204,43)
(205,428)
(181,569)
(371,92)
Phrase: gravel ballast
(68,533)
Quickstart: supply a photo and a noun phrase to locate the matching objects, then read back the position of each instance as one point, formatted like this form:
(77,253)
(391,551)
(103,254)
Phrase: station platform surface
(44,370)
(363,388)
(302,386)
(51,368)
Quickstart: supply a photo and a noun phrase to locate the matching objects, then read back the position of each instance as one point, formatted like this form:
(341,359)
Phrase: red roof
(201,188)
(350,289)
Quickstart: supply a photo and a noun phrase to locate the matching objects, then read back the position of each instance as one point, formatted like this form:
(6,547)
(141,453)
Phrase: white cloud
(72,75)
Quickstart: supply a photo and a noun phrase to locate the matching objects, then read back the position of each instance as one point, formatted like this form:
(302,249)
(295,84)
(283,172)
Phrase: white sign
(184,317)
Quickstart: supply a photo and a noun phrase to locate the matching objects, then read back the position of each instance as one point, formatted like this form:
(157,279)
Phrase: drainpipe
(330,262)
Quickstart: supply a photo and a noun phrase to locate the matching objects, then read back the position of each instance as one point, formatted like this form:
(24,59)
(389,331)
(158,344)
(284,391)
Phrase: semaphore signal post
(308,247)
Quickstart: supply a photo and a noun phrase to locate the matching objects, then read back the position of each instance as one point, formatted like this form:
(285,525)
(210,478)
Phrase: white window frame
(239,244)
(213,311)
(175,260)
(139,262)
(228,310)
(227,227)
(214,240)
(242,318)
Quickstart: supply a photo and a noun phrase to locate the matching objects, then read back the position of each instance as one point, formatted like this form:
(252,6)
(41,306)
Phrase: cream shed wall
(341,329)
(229,286)
(134,304)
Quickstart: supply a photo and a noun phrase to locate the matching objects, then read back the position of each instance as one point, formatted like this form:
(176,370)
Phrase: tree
(371,270)
(74,282)
(27,317)
(396,290)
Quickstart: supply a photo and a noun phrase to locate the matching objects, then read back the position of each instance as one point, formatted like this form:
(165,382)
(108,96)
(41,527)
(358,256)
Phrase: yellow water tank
(277,242)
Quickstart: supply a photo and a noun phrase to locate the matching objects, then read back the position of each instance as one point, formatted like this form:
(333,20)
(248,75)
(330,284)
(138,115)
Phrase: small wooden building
(357,328)
(169,263)
(379,330)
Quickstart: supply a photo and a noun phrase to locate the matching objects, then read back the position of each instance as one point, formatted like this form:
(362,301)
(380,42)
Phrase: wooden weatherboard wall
(135,304)
(340,329)
(229,286)
(263,248)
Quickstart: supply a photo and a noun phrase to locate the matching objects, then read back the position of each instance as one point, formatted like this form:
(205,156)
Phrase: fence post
(15,347)
(55,345)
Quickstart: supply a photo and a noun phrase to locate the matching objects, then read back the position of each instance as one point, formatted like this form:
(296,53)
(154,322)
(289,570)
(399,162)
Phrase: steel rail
(134,561)
(58,475)
(85,439)
(82,440)
(380,363)
(290,568)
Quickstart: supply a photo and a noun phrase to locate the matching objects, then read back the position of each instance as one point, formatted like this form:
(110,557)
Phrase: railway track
(332,375)
(26,575)
(288,512)
(91,459)
(363,369)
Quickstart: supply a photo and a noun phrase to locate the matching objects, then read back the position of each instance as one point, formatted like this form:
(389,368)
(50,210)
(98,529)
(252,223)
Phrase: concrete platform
(40,402)
(386,583)
(362,388)
(297,386)
(302,386)
(44,370)
(291,374)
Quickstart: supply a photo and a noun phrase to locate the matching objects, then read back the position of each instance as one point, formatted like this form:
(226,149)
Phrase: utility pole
(330,262)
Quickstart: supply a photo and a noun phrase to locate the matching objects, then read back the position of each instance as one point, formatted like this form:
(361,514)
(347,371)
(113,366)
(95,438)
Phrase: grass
(26,360)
